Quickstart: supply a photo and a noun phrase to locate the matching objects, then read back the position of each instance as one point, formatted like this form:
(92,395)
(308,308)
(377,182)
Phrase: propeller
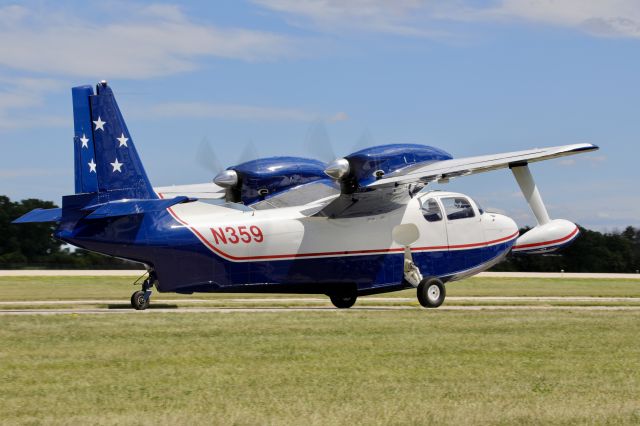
(250,152)
(364,141)
(318,144)
(341,169)
(337,169)
(227,179)
(206,157)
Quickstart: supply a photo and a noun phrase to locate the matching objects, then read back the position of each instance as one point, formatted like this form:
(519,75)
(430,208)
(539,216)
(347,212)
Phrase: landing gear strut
(141,299)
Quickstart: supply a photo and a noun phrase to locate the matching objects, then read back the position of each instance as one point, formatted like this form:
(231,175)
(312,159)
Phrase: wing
(368,203)
(443,170)
(297,196)
(309,193)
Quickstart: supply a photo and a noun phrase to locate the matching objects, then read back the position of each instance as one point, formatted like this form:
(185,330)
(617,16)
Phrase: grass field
(321,368)
(414,367)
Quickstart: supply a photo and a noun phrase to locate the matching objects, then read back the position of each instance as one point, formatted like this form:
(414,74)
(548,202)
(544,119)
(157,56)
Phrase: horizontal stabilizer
(40,216)
(131,207)
(200,191)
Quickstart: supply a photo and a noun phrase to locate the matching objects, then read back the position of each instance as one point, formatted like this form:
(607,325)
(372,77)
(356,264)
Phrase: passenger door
(434,245)
(464,230)
(436,226)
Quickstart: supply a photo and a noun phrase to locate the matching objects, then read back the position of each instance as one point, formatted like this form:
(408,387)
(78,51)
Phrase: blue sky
(471,77)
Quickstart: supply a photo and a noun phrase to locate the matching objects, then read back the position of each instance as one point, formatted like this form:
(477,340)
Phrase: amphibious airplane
(361,225)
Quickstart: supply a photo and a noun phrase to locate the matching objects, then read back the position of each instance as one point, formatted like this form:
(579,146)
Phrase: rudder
(84,149)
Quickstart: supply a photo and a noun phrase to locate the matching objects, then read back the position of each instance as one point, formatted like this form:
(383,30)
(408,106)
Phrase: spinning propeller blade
(206,157)
(364,141)
(249,153)
(318,144)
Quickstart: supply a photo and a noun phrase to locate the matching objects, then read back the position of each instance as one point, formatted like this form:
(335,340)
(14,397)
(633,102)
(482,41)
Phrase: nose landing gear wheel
(342,301)
(138,301)
(431,292)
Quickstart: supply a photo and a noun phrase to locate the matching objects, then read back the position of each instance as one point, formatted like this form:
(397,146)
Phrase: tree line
(32,246)
(593,251)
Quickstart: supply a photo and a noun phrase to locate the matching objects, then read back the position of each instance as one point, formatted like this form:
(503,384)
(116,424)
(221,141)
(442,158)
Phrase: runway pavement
(568,299)
(370,304)
(99,311)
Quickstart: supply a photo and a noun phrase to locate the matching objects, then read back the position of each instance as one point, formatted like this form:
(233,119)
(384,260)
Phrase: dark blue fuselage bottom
(363,274)
(197,270)
(183,264)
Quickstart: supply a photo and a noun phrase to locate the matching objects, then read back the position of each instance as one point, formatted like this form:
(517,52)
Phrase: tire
(342,301)
(431,292)
(138,302)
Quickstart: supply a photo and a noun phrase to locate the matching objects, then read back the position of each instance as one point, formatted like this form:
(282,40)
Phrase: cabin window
(457,208)
(431,210)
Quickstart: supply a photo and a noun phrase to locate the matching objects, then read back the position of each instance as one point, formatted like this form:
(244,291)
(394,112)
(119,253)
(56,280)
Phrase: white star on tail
(122,140)
(85,141)
(92,166)
(116,166)
(100,124)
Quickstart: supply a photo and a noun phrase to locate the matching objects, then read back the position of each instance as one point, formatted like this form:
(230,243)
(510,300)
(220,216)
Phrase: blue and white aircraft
(363,224)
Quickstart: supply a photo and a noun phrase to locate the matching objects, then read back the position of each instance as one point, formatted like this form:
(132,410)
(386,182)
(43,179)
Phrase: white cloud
(603,17)
(31,172)
(591,160)
(26,96)
(339,116)
(11,14)
(228,111)
(622,211)
(150,41)
(596,159)
(399,17)
(423,18)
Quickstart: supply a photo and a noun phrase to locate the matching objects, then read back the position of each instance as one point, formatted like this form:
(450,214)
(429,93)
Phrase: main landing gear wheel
(138,301)
(141,299)
(342,301)
(431,292)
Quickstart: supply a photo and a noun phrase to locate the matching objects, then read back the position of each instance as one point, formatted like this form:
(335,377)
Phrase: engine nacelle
(547,238)
(254,180)
(363,167)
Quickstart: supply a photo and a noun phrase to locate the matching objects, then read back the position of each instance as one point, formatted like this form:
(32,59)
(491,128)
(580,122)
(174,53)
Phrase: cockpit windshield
(431,210)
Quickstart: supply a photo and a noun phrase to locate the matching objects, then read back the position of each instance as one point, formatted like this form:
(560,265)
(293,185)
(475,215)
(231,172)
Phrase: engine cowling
(363,167)
(258,179)
(547,238)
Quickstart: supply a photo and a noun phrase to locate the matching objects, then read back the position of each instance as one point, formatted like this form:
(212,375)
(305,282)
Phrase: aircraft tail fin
(106,160)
